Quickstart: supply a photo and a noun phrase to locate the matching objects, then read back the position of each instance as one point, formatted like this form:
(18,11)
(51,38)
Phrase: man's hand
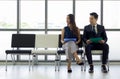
(101,41)
(88,41)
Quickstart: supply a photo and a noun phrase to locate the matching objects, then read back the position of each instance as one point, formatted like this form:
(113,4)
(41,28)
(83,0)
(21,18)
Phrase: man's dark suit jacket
(89,33)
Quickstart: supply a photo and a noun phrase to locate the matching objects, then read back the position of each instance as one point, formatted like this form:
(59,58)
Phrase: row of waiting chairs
(37,41)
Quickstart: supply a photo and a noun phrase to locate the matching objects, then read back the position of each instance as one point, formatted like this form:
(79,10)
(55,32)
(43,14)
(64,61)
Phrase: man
(95,31)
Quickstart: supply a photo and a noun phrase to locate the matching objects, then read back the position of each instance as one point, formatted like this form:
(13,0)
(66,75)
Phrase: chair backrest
(46,41)
(80,45)
(59,42)
(96,52)
(23,40)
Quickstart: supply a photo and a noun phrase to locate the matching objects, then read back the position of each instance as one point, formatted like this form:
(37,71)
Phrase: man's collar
(94,25)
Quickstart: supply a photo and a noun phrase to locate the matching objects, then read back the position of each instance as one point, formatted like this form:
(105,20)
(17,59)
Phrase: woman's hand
(62,42)
(77,42)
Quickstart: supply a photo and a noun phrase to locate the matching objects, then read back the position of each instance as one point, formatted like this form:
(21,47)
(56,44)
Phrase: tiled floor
(48,72)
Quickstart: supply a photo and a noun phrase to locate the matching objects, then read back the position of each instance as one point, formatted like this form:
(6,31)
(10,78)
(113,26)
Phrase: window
(32,14)
(5,44)
(114,44)
(57,12)
(8,14)
(111,14)
(32,21)
(54,32)
(32,32)
(83,9)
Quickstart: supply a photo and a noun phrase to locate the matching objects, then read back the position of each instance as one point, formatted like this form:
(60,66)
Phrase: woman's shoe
(70,71)
(80,63)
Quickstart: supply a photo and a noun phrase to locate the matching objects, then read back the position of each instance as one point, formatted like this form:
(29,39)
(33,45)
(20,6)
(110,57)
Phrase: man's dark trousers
(93,46)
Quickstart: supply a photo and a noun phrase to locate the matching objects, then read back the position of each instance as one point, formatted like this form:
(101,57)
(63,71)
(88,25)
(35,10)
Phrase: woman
(70,37)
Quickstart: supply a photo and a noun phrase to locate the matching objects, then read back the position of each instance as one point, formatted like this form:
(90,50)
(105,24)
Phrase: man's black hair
(95,15)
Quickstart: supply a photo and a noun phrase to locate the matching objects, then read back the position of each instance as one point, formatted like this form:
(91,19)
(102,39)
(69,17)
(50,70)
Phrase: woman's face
(68,20)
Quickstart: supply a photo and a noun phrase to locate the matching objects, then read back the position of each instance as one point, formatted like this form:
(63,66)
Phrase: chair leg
(35,59)
(29,63)
(13,59)
(84,63)
(55,62)
(59,62)
(57,59)
(55,65)
(59,65)
(6,63)
(60,59)
(82,68)
(32,61)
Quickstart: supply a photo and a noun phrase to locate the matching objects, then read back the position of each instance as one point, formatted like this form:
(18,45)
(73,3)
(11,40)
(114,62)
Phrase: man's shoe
(91,69)
(104,69)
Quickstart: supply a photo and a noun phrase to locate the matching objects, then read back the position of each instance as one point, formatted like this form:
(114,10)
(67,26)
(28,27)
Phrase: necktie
(94,29)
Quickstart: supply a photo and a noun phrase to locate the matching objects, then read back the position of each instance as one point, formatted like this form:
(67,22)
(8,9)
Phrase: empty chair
(45,41)
(21,41)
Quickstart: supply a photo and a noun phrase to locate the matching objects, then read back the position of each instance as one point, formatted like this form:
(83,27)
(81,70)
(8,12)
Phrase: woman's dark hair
(73,24)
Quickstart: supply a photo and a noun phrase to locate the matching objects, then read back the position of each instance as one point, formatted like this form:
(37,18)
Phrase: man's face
(92,20)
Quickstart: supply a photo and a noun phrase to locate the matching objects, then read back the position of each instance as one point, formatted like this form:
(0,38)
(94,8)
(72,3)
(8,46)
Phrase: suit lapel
(91,29)
(98,29)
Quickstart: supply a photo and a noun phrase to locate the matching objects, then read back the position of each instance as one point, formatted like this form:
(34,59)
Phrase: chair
(45,41)
(62,52)
(21,41)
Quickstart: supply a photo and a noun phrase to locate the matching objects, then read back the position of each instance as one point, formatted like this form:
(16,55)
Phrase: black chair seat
(80,51)
(18,51)
(62,52)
